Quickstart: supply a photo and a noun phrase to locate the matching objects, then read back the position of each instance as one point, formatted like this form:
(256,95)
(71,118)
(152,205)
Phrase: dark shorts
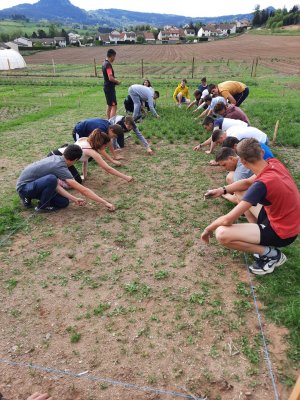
(110,94)
(268,237)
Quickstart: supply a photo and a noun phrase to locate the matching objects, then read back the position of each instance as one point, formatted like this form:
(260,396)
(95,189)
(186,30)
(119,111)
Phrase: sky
(195,8)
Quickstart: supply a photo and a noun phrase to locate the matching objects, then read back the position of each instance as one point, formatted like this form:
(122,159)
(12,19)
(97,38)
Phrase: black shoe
(26,201)
(266,265)
(45,209)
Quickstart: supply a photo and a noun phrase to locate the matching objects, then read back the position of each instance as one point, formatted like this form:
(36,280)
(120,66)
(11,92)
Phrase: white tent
(11,59)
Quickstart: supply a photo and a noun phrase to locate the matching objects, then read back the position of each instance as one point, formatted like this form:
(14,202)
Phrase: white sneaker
(266,265)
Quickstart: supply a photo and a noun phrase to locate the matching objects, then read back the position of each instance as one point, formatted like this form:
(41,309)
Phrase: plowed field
(279,53)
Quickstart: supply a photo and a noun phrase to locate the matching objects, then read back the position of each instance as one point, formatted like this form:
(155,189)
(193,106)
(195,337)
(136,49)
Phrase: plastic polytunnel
(11,59)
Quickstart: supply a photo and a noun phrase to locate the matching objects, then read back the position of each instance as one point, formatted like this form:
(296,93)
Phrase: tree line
(276,19)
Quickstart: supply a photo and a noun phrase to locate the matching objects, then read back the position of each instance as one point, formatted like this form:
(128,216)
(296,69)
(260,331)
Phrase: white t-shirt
(247,132)
(228,123)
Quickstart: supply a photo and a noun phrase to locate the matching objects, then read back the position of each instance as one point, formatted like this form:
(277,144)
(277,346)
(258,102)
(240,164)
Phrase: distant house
(21,41)
(130,37)
(104,38)
(243,25)
(189,32)
(217,30)
(44,41)
(122,37)
(10,45)
(149,37)
(60,41)
(74,38)
(171,35)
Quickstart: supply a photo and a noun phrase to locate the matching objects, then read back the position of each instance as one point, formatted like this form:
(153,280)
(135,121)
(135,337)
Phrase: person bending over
(232,142)
(139,95)
(92,146)
(230,161)
(210,125)
(86,127)
(127,124)
(275,221)
(240,132)
(231,111)
(233,91)
(40,180)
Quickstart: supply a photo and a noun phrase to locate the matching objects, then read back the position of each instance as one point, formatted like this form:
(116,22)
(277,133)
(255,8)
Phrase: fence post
(275,132)
(193,63)
(142,68)
(53,65)
(95,68)
(295,395)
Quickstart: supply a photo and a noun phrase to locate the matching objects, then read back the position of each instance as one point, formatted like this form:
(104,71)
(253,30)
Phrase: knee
(222,235)
(51,180)
(229,178)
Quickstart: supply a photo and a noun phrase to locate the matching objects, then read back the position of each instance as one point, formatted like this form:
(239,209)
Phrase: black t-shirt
(107,70)
(256,194)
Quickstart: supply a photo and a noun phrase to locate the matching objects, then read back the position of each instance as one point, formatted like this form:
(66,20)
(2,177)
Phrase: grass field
(134,296)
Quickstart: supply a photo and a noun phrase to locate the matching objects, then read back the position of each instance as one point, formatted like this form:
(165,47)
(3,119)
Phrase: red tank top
(282,192)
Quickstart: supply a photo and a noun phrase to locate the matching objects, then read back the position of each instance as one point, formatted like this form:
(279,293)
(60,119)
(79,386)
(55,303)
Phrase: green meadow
(38,110)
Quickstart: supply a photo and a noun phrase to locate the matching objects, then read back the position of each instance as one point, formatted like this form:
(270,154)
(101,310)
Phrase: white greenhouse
(11,59)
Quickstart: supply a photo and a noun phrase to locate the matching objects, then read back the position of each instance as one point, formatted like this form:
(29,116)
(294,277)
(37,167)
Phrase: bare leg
(113,111)
(242,237)
(108,111)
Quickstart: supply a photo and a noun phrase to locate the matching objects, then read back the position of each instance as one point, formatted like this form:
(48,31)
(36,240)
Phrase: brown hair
(249,150)
(225,153)
(219,107)
(128,119)
(97,139)
(116,129)
(217,133)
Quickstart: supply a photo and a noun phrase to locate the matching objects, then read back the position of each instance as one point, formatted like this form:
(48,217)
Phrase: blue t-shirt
(86,127)
(267,151)
(256,194)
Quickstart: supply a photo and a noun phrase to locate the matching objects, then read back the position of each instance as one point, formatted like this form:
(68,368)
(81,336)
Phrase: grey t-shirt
(241,172)
(54,165)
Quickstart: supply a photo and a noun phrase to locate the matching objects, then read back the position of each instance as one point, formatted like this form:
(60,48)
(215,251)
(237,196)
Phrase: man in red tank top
(271,204)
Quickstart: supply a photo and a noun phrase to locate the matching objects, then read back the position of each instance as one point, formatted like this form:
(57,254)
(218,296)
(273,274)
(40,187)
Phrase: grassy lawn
(139,282)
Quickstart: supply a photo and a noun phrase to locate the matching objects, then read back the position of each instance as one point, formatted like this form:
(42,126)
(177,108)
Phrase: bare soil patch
(133,296)
(278,52)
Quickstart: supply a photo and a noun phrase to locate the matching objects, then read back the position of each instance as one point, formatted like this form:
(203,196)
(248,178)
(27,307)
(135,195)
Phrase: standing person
(139,94)
(109,83)
(91,146)
(275,224)
(40,180)
(233,91)
(86,127)
(181,93)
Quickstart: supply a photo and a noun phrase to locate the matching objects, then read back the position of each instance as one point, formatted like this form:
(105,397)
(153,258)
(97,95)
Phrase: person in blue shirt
(203,85)
(232,142)
(86,127)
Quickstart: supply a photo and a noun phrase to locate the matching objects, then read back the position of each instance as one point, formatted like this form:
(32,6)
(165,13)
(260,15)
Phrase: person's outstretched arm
(89,194)
(102,164)
(39,396)
(109,158)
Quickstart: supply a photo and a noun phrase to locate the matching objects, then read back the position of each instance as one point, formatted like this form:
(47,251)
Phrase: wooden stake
(142,68)
(50,103)
(252,67)
(95,68)
(193,63)
(275,132)
(53,65)
(296,391)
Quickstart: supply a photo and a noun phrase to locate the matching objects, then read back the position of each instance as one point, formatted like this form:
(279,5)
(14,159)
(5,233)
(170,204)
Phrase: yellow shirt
(231,87)
(183,90)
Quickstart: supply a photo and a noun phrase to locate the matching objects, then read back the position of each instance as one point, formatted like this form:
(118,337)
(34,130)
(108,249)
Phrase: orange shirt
(231,87)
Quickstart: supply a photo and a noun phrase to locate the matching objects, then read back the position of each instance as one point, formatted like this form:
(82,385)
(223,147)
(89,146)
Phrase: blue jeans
(44,189)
